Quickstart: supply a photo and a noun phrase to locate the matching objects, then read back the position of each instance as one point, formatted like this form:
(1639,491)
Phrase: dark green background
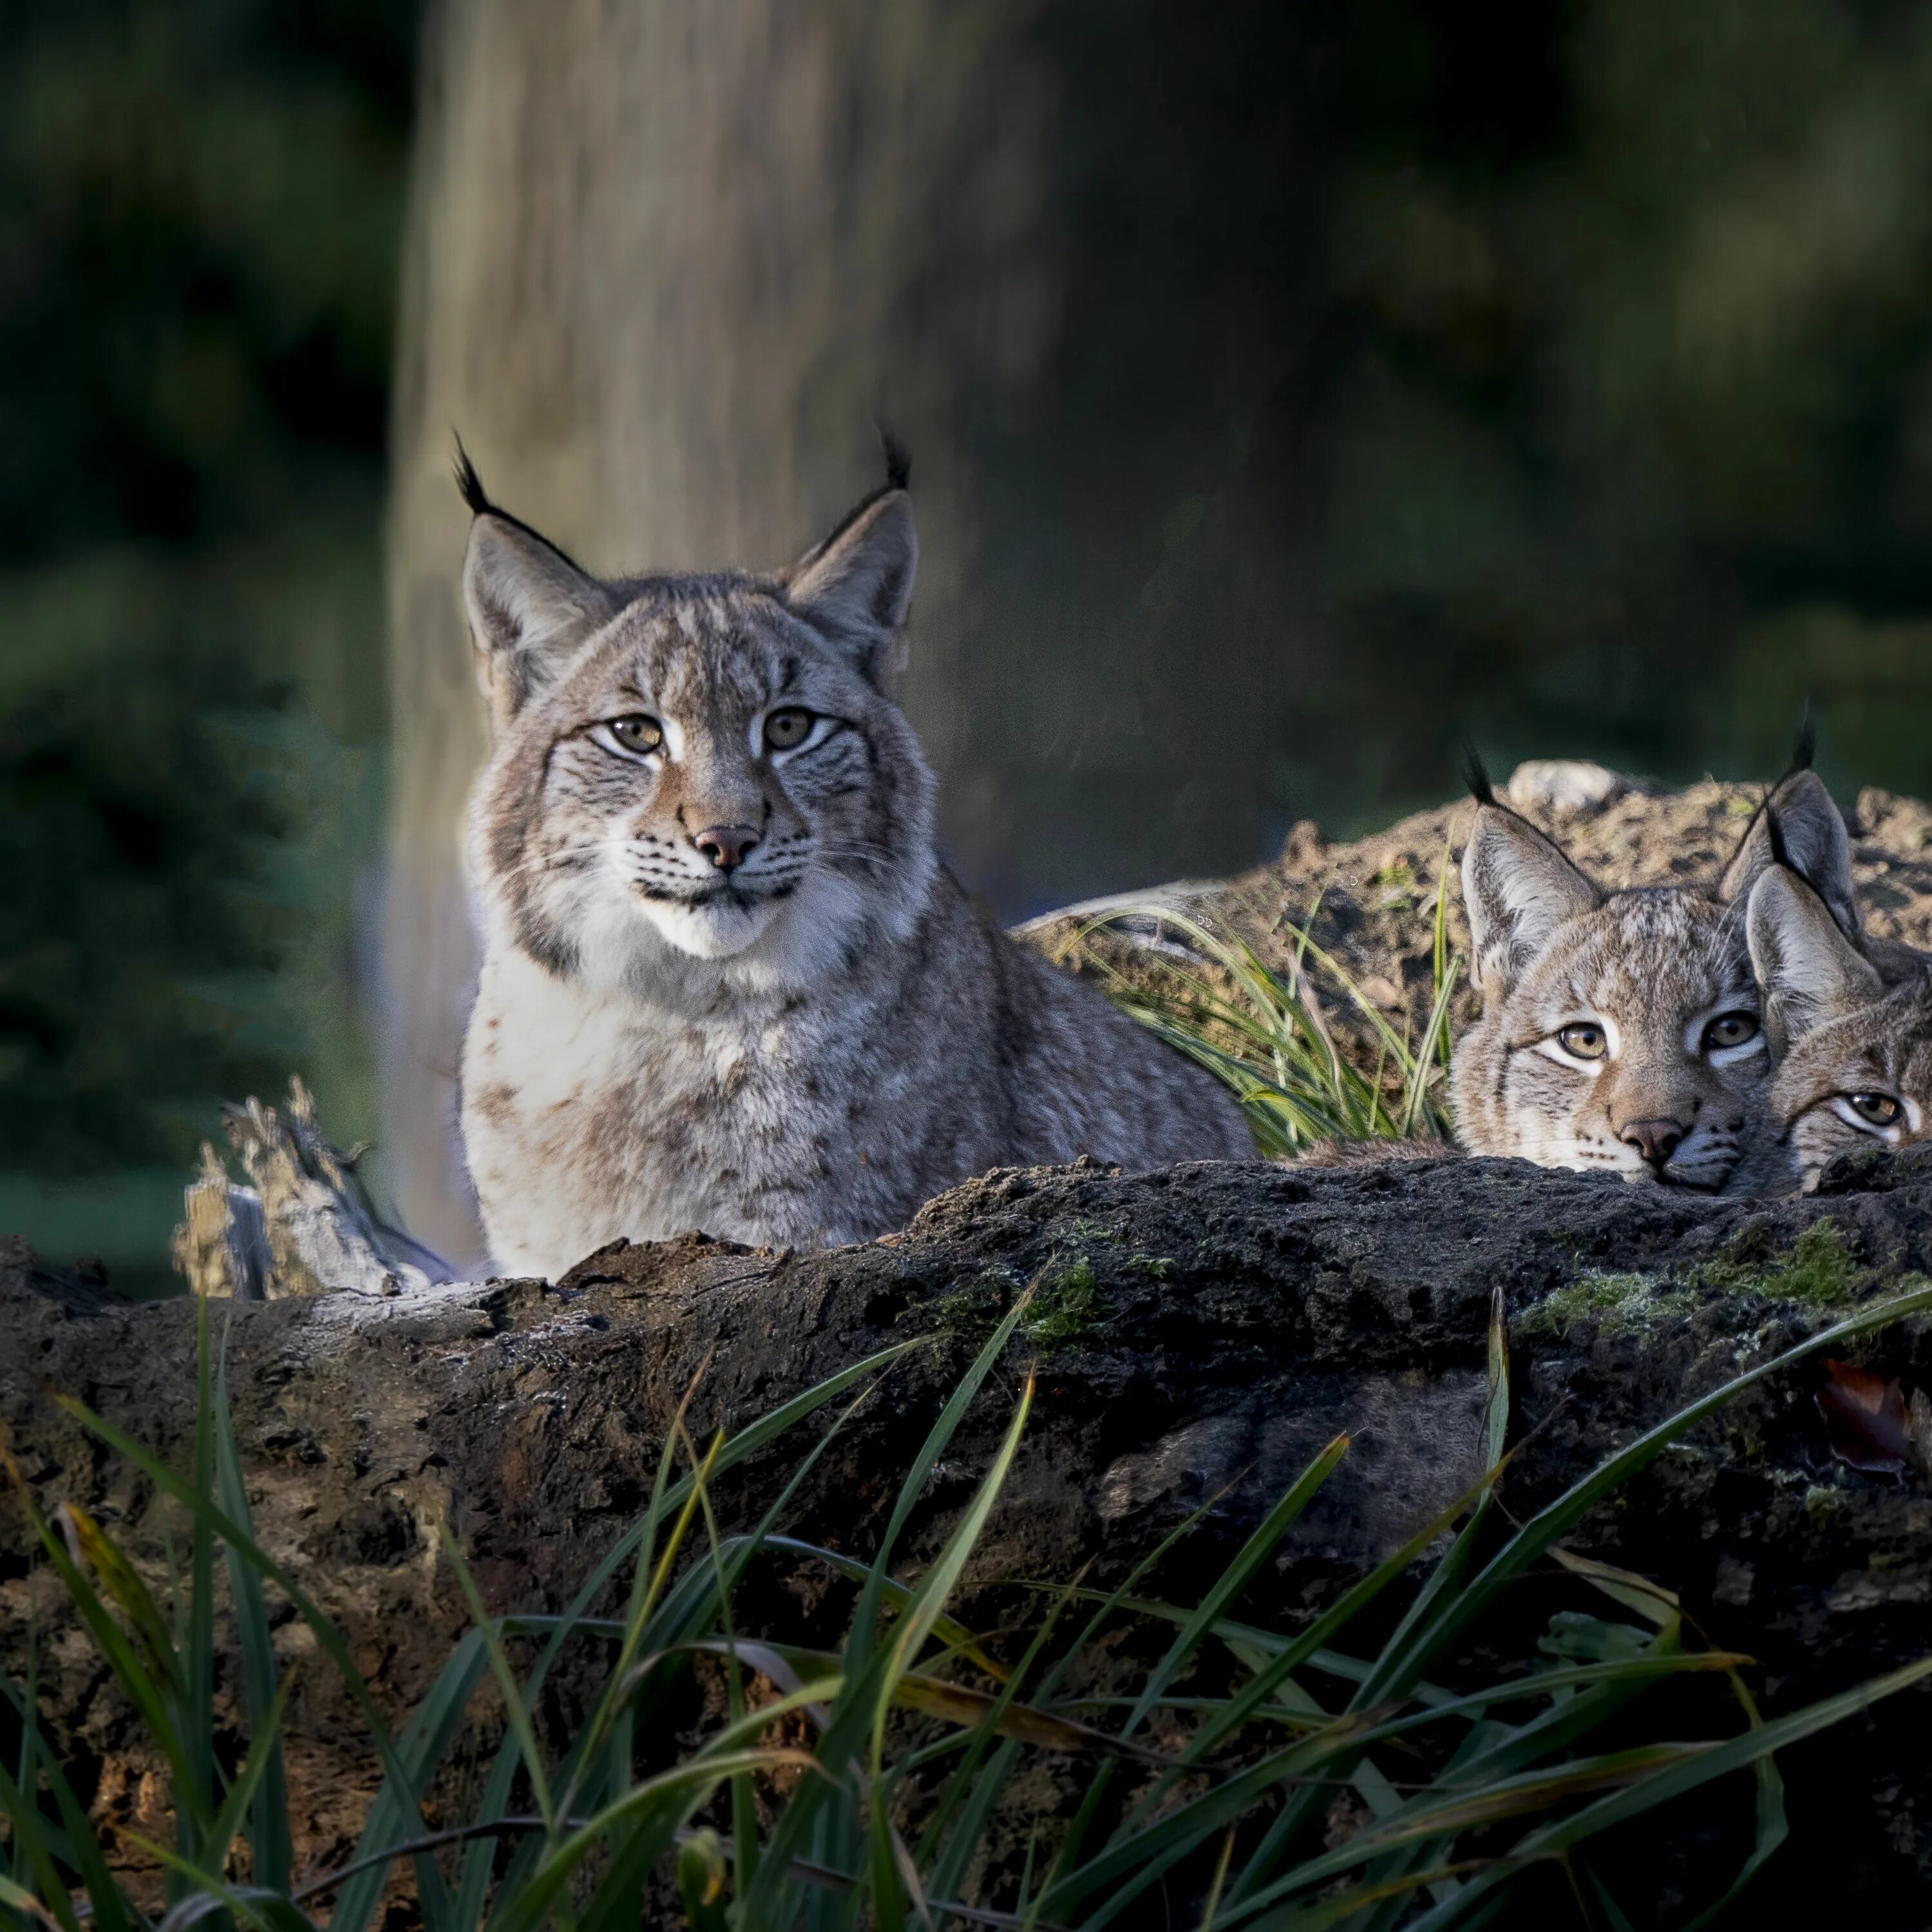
(1585,372)
(199,240)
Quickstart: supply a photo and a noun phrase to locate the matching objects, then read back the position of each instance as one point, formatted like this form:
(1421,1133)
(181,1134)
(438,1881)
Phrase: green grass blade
(978,1792)
(433,1895)
(1259,1548)
(684,1606)
(202,1893)
(195,1708)
(1320,1633)
(917,1621)
(30,1840)
(81,1846)
(262,1745)
(515,1712)
(1433,1816)
(944,1430)
(117,1652)
(1536,1536)
(420,1748)
(1772,1826)
(272,1853)
(1673,1780)
(659,1804)
(1734,1754)
(950,1874)
(833,1828)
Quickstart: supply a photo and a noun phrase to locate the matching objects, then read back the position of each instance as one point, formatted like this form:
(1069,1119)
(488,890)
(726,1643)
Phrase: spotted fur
(801,1048)
(1620,1032)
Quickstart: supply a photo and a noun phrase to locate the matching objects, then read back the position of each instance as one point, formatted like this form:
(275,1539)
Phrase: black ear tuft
(1804,746)
(1475,775)
(469,483)
(898,459)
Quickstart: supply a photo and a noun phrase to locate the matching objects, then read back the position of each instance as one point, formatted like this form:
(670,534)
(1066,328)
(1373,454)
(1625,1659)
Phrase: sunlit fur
(801,1052)
(586,856)
(1653,968)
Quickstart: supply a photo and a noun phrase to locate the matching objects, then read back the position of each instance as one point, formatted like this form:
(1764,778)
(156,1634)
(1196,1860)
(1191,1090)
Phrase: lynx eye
(637,733)
(785,731)
(1583,1039)
(1729,1030)
(1880,1109)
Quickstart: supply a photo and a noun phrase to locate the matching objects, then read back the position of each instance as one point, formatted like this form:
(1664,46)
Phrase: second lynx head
(1622,1031)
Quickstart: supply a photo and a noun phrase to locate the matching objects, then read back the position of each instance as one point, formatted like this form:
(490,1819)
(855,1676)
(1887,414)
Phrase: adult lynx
(726,983)
(1622,1031)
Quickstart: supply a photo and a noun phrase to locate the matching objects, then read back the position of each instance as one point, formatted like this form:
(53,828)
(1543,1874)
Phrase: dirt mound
(1373,902)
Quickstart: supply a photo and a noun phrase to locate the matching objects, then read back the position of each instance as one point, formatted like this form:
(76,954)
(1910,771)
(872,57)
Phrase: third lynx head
(1852,1039)
(723,777)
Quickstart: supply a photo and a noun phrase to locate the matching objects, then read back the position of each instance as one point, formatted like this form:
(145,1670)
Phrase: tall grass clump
(873,1784)
(1265,1035)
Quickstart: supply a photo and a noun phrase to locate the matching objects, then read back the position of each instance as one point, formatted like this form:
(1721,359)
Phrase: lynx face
(1621,1031)
(696,768)
(1854,1054)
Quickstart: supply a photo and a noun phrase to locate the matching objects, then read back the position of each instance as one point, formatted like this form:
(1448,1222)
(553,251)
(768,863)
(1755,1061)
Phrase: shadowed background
(1290,392)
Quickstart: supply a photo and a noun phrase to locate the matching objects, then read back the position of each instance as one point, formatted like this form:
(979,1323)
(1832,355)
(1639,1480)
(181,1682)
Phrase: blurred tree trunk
(670,261)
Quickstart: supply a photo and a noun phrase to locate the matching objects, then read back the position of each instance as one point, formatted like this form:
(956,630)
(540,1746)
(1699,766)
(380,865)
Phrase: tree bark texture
(1216,1325)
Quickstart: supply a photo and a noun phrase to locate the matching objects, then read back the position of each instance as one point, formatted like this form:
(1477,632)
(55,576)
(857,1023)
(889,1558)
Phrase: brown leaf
(1864,1415)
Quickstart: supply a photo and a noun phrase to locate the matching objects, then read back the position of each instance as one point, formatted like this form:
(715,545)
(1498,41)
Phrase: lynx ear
(1807,971)
(530,607)
(1797,826)
(1517,888)
(857,586)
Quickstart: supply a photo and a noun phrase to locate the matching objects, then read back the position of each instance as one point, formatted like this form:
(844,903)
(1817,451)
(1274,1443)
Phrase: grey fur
(1798,826)
(1842,1031)
(1653,970)
(800,1051)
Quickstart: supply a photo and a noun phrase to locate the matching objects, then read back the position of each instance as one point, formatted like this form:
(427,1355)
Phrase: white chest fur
(588,1115)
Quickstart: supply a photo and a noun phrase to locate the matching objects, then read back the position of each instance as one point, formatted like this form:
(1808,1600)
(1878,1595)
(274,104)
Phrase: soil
(1372,903)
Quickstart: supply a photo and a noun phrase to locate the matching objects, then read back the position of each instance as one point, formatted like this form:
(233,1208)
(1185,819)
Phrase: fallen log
(1199,1333)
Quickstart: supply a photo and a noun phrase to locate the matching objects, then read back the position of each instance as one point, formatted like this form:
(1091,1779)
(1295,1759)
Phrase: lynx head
(1620,1031)
(696,768)
(1853,1054)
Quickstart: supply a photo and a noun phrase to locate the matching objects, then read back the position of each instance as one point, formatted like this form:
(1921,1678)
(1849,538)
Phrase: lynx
(1621,1031)
(726,984)
(1851,1039)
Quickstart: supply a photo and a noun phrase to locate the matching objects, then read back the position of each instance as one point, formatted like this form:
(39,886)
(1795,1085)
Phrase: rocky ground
(1200,1333)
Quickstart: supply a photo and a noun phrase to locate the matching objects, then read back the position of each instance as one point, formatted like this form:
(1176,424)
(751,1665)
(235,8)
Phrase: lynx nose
(1657,1141)
(726,846)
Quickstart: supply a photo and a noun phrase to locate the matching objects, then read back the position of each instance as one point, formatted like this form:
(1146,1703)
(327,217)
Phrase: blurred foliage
(200,214)
(1631,434)
(1558,374)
